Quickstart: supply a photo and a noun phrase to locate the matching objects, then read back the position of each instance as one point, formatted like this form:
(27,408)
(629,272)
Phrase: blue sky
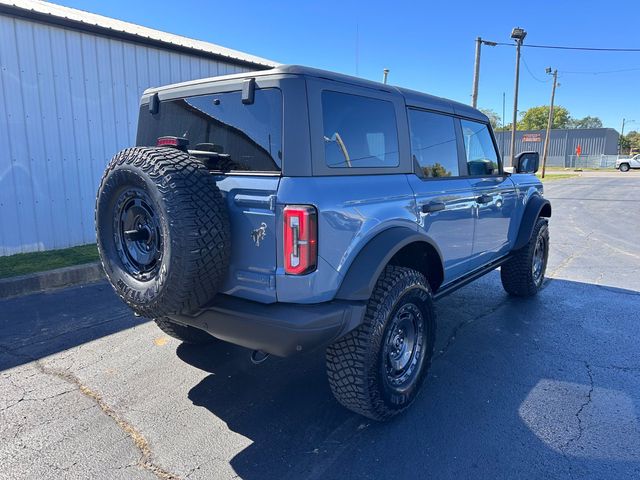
(428,46)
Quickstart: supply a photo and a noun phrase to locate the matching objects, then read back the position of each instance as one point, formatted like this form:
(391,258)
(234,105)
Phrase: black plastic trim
(365,270)
(466,279)
(280,329)
(532,211)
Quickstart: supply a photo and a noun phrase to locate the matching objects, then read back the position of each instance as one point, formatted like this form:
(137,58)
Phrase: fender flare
(364,271)
(536,207)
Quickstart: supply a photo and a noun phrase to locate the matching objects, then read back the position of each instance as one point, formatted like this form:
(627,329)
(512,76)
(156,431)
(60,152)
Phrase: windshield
(233,135)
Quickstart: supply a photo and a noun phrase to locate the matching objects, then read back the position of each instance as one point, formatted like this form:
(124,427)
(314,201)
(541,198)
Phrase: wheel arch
(400,246)
(536,207)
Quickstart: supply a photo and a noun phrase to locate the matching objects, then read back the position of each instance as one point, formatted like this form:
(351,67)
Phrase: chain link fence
(584,161)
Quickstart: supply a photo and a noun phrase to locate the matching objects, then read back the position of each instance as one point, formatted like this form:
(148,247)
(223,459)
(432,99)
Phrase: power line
(601,72)
(559,47)
(531,73)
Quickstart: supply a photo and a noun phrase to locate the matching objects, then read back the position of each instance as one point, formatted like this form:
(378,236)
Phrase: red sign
(532,137)
(578,150)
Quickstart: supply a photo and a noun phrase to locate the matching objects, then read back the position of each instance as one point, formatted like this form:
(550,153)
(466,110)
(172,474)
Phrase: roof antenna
(385,74)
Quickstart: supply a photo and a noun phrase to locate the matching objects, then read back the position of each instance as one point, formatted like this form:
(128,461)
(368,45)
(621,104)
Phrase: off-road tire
(191,221)
(517,274)
(356,363)
(624,167)
(185,333)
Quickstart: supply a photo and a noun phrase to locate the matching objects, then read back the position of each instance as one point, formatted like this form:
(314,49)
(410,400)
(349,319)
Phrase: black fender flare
(364,271)
(536,207)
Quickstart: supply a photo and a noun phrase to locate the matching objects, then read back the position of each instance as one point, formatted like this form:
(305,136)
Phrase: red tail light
(300,239)
(176,142)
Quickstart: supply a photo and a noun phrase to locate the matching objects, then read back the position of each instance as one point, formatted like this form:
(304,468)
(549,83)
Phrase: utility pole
(518,34)
(476,69)
(550,120)
(476,74)
(385,74)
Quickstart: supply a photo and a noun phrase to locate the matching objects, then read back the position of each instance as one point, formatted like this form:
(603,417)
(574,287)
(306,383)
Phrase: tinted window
(238,136)
(482,158)
(433,143)
(359,131)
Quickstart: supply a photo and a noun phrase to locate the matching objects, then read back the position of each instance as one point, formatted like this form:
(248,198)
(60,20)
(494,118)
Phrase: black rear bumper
(279,328)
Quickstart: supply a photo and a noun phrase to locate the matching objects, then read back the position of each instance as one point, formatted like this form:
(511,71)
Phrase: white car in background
(625,164)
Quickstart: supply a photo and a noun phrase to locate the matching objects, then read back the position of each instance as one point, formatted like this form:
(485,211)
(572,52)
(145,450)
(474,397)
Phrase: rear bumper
(279,328)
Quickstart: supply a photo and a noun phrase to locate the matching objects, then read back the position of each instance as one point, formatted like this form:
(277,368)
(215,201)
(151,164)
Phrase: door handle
(484,198)
(433,207)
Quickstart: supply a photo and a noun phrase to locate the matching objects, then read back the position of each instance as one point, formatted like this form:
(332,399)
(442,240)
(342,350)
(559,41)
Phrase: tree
(536,118)
(630,143)
(586,122)
(494,118)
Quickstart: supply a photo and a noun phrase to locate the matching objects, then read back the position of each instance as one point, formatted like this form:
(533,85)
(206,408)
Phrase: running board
(462,281)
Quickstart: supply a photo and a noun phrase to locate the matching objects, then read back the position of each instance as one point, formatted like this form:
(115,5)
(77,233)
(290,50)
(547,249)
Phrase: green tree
(632,142)
(494,118)
(536,118)
(586,122)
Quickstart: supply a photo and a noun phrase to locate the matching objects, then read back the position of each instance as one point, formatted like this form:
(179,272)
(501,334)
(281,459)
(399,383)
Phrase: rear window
(232,135)
(359,132)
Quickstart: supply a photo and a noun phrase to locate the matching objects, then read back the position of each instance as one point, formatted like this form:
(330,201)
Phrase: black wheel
(162,231)
(523,274)
(624,167)
(185,333)
(377,369)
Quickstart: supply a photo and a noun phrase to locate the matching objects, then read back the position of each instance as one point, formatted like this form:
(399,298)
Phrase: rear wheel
(377,369)
(523,274)
(624,167)
(184,333)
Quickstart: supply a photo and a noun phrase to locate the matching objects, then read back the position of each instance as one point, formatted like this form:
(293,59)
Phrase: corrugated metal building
(563,143)
(70,83)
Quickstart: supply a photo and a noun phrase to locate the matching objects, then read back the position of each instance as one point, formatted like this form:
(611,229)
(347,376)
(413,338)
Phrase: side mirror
(527,162)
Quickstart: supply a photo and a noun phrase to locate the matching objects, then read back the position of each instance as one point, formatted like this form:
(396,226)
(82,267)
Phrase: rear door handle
(484,198)
(433,207)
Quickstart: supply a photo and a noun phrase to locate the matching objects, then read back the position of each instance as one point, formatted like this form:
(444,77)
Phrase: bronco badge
(259,233)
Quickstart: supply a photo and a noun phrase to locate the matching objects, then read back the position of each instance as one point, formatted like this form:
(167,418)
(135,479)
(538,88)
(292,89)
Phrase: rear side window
(433,144)
(236,135)
(482,158)
(359,132)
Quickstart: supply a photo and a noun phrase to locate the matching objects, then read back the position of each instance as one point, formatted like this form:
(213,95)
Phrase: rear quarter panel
(351,210)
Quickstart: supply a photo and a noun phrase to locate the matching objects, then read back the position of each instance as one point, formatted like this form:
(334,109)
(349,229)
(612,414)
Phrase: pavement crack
(582,407)
(459,327)
(145,461)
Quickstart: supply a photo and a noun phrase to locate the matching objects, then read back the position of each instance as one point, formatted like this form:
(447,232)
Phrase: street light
(547,137)
(518,34)
(476,69)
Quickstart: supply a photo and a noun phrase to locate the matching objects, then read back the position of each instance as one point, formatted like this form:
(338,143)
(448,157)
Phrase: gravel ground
(541,388)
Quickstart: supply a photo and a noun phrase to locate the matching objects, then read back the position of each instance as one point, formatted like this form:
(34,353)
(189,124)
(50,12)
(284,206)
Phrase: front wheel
(377,369)
(624,167)
(523,274)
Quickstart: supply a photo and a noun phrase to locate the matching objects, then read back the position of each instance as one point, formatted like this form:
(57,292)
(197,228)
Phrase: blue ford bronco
(293,209)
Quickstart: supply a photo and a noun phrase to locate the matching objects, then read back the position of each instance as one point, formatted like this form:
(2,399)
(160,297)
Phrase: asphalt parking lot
(541,388)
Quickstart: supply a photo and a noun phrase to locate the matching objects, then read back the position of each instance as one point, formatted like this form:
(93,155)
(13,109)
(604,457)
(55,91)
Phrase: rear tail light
(300,239)
(176,142)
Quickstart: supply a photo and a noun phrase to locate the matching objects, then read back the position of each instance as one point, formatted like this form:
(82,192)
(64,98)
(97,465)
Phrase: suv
(625,164)
(293,209)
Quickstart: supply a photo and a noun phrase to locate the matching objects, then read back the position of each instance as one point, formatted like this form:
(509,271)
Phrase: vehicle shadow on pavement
(42,324)
(530,388)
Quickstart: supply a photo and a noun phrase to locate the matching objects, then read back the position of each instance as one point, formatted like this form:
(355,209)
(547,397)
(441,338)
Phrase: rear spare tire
(162,231)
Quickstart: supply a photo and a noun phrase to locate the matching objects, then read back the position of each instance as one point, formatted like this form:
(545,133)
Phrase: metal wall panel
(68,103)
(563,143)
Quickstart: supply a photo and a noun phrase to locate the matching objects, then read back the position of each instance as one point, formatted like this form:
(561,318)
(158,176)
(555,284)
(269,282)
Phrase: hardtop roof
(412,98)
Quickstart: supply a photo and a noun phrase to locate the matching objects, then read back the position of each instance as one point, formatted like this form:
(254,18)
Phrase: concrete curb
(41,281)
